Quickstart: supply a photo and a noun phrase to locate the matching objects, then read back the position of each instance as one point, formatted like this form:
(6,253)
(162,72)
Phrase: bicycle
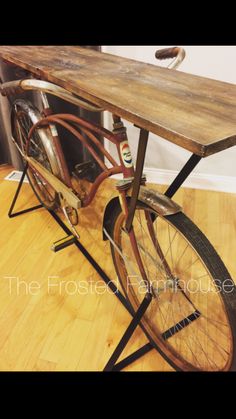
(191,318)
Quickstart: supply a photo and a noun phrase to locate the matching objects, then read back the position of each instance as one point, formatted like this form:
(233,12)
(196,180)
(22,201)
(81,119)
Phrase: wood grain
(194,112)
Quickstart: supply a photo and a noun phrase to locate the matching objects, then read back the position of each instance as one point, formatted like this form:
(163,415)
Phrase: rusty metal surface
(158,202)
(18,86)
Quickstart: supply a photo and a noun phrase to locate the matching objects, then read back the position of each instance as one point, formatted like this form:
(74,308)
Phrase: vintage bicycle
(155,247)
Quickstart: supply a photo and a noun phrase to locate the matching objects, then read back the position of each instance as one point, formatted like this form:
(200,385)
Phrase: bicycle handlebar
(11,88)
(177,53)
(15,87)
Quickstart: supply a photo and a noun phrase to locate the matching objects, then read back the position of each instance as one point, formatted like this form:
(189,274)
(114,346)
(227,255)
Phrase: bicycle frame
(120,140)
(117,137)
(89,131)
(86,132)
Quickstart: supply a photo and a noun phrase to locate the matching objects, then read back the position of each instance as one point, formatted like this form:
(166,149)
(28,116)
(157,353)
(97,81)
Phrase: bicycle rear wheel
(23,116)
(192,318)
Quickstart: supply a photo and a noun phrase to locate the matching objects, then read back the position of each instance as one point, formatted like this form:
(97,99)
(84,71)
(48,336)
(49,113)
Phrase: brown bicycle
(191,318)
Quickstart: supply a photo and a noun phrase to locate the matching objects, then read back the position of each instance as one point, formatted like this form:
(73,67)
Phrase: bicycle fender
(155,200)
(158,201)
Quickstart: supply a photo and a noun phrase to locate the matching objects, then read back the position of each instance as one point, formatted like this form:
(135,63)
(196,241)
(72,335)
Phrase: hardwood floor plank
(62,323)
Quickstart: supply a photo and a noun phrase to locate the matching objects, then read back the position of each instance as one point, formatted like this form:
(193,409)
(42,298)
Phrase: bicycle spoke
(208,358)
(155,261)
(176,314)
(145,262)
(171,254)
(213,340)
(159,267)
(170,246)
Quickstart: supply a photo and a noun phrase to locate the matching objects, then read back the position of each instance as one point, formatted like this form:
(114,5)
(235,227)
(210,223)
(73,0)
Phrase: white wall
(216,62)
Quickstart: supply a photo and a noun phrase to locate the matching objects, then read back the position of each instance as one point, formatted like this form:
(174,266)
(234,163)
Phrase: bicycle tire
(213,264)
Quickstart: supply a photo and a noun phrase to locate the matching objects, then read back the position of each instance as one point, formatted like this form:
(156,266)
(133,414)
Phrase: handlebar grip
(166,53)
(178,55)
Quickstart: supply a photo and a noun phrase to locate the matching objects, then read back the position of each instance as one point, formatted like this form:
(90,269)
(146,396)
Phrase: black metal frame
(12,214)
(136,316)
(112,364)
(183,174)
(171,190)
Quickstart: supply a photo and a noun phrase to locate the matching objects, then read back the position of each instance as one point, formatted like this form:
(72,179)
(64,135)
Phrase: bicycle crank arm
(64,192)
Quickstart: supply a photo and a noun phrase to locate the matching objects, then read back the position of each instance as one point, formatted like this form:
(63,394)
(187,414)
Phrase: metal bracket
(10,212)
(112,365)
(182,175)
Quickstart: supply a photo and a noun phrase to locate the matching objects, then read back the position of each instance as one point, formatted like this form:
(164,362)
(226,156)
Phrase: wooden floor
(61,323)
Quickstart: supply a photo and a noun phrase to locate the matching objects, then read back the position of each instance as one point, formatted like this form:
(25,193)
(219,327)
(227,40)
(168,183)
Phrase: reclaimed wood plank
(194,112)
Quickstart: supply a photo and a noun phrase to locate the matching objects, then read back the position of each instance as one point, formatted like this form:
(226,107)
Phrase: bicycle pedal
(63,243)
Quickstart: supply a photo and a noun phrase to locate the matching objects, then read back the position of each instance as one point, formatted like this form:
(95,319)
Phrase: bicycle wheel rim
(186,362)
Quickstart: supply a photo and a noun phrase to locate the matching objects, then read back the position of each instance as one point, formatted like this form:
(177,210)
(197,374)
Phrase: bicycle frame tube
(125,167)
(91,142)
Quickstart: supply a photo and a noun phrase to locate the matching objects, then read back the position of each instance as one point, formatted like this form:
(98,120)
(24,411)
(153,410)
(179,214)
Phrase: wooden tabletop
(196,113)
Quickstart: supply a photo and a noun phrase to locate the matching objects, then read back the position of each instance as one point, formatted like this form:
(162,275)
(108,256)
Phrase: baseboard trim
(194,181)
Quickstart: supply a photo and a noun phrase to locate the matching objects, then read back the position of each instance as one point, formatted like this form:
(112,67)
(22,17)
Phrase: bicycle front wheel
(192,317)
